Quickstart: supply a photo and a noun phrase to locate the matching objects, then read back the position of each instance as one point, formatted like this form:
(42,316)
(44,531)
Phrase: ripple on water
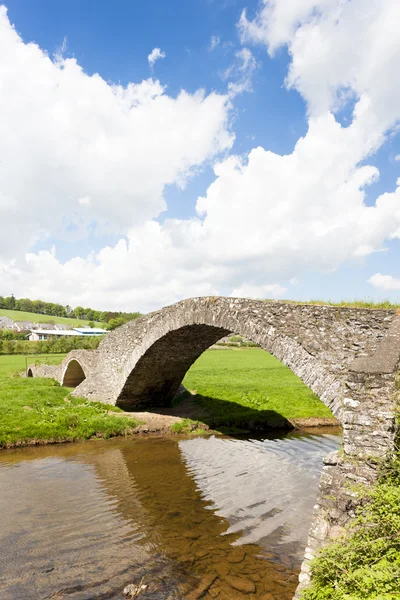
(221,517)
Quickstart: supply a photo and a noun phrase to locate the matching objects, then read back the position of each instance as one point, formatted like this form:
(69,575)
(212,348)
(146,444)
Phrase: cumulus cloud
(261,292)
(385,282)
(155,55)
(67,136)
(266,218)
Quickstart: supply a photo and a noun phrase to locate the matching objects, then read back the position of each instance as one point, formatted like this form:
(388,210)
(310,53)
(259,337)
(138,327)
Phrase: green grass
(364,563)
(385,304)
(238,387)
(19,315)
(40,410)
(16,363)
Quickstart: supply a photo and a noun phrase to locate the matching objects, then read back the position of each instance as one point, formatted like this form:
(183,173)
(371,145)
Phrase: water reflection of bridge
(166,527)
(177,522)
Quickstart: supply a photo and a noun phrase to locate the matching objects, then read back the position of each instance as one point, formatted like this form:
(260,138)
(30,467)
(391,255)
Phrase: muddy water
(212,518)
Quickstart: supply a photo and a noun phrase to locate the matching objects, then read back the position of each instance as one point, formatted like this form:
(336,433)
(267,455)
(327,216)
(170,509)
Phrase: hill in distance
(18,315)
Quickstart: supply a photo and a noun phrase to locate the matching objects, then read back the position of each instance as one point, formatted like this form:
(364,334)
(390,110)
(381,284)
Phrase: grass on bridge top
(370,304)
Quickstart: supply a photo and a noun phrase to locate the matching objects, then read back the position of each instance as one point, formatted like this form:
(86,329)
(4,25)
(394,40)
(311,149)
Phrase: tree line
(58,310)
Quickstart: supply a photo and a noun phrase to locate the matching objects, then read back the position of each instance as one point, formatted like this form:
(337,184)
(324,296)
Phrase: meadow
(248,386)
(36,411)
(234,388)
(19,315)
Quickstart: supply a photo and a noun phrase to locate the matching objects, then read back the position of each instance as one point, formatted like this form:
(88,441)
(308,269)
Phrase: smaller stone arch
(73,374)
(29,373)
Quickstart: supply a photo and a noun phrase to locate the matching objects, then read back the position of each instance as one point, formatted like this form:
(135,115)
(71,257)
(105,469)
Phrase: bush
(364,564)
(55,346)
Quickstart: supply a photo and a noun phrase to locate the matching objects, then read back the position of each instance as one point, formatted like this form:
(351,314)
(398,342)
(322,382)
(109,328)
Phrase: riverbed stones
(202,587)
(245,586)
(236,555)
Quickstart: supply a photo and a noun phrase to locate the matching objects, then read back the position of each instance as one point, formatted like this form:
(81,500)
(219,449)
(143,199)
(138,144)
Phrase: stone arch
(347,356)
(29,373)
(156,351)
(146,358)
(73,374)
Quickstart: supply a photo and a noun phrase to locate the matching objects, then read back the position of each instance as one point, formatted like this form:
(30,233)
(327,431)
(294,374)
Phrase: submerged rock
(134,590)
(242,585)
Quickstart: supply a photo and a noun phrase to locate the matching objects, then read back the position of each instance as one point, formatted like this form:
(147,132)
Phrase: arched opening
(73,374)
(29,373)
(157,375)
(154,380)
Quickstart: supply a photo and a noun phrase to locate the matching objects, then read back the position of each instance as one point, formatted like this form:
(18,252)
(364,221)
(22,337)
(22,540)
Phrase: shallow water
(81,521)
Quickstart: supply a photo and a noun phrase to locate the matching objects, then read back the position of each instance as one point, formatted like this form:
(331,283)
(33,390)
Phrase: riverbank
(230,391)
(364,562)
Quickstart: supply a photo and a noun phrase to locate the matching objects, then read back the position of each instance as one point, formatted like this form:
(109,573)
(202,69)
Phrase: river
(215,517)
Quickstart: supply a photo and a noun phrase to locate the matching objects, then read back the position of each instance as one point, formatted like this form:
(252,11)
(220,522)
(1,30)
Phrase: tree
(79,311)
(114,323)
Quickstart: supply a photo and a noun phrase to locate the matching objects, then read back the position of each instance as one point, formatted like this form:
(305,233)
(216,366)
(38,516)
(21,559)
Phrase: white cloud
(336,53)
(240,73)
(385,282)
(214,42)
(155,54)
(260,292)
(66,135)
(266,218)
(397,157)
(85,201)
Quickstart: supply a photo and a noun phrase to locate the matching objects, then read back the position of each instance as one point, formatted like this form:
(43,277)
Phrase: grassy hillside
(18,315)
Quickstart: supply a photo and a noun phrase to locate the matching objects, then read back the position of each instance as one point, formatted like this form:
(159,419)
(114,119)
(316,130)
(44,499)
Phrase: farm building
(38,335)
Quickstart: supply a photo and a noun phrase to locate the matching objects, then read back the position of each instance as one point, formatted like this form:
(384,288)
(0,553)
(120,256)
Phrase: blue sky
(291,147)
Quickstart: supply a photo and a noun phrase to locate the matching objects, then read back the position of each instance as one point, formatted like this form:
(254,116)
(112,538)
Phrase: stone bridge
(348,356)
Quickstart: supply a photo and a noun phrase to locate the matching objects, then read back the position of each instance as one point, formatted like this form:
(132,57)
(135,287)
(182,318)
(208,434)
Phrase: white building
(39,335)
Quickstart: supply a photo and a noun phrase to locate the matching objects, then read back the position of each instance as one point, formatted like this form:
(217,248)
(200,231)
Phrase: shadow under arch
(73,374)
(157,375)
(143,362)
(154,378)
(29,373)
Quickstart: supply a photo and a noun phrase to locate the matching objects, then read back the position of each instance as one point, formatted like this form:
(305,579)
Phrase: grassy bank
(40,411)
(249,387)
(236,389)
(364,564)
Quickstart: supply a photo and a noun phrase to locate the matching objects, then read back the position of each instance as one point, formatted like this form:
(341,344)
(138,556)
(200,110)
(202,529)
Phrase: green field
(16,363)
(236,387)
(19,315)
(40,410)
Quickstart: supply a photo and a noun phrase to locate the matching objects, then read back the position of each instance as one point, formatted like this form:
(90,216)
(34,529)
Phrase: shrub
(364,564)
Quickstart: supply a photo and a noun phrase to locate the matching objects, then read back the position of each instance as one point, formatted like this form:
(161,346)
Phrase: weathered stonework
(347,356)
